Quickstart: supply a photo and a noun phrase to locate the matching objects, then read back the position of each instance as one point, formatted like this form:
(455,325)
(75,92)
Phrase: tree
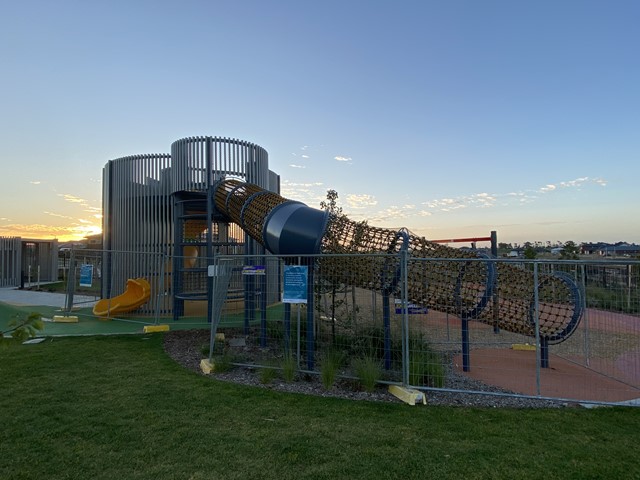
(570,251)
(335,239)
(332,285)
(331,204)
(530,252)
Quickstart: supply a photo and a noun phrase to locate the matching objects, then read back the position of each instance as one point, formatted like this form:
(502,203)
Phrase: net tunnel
(462,282)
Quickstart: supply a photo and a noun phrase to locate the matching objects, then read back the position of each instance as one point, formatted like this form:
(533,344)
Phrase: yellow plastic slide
(137,293)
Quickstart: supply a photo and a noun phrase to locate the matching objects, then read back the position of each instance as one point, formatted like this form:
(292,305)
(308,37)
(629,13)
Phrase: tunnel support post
(544,352)
(496,303)
(466,363)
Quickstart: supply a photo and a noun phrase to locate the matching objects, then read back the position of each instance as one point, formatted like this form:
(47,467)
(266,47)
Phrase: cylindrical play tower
(198,164)
(156,207)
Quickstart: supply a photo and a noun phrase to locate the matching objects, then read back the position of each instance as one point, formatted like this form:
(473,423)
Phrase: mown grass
(118,407)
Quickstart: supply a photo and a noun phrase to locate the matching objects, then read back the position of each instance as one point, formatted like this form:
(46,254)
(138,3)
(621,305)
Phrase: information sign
(86,275)
(295,283)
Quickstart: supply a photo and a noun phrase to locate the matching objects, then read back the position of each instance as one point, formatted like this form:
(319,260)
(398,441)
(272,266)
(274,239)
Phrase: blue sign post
(295,287)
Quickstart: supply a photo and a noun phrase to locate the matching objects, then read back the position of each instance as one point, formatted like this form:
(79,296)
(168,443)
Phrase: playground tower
(157,207)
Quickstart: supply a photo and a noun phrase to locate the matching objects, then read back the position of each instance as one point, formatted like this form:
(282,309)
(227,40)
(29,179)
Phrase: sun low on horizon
(62,233)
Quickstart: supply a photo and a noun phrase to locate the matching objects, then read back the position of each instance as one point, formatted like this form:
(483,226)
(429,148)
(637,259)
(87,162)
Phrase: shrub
(218,347)
(289,368)
(329,368)
(368,372)
(223,363)
(267,374)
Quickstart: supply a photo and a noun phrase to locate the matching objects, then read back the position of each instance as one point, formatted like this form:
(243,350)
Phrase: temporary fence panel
(530,330)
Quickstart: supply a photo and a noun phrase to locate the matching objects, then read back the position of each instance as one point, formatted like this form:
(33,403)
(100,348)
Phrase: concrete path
(15,296)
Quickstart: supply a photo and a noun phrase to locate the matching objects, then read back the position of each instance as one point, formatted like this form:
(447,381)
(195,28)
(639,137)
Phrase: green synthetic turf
(89,324)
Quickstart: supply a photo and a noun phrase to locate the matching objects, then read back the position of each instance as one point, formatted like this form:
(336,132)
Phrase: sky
(451,118)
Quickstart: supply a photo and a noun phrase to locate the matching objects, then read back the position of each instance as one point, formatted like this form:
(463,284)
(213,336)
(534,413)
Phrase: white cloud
(293,165)
(453,207)
(361,201)
(483,200)
(72,198)
(392,213)
(340,158)
(305,156)
(310,193)
(35,182)
(443,203)
(292,184)
(574,183)
(601,182)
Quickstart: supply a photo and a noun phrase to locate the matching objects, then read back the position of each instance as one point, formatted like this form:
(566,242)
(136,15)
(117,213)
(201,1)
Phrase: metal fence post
(71,280)
(536,319)
(386,321)
(585,315)
(310,262)
(405,317)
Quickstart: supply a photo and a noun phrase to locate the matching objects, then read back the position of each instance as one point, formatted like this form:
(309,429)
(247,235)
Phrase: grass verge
(118,407)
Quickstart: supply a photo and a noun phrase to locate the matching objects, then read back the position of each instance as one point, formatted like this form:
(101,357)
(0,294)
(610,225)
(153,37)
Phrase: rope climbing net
(457,281)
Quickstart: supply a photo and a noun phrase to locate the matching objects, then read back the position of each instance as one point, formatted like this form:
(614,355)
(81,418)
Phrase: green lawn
(119,408)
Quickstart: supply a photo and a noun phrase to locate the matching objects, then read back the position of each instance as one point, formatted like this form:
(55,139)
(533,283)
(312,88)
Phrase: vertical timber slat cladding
(10,261)
(136,236)
(138,204)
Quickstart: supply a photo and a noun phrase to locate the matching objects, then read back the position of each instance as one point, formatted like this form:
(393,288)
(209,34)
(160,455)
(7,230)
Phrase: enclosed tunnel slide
(466,284)
(136,294)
